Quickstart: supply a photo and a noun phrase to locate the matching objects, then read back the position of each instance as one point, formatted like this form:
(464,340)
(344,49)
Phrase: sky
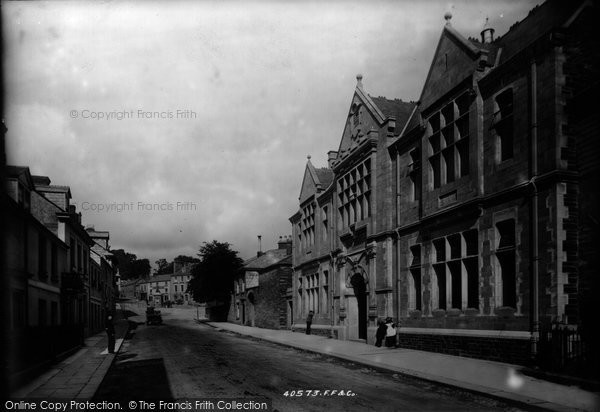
(178,123)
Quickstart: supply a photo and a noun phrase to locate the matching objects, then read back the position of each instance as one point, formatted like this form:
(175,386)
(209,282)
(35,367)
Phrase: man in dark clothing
(380,334)
(110,331)
(309,321)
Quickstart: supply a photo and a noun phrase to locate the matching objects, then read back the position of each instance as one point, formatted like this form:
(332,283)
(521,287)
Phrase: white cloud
(270,82)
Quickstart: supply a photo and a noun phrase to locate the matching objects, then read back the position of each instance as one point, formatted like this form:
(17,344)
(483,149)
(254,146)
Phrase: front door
(360,293)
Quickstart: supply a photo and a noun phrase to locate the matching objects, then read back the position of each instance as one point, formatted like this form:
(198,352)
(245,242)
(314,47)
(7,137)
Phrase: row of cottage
(159,290)
(60,277)
(469,216)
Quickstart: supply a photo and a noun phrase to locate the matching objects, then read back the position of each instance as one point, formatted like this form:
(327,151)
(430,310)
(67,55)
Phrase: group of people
(386,330)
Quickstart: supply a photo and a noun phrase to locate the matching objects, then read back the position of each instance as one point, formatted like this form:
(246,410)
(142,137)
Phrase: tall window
(54,262)
(42,272)
(503,124)
(439,268)
(470,263)
(415,175)
(307,225)
(505,252)
(72,253)
(42,312)
(312,292)
(18,308)
(325,223)
(354,193)
(79,258)
(326,291)
(415,278)
(449,142)
(456,269)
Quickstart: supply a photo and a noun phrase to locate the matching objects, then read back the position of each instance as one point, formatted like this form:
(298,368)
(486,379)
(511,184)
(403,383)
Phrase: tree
(141,268)
(163,267)
(186,259)
(130,267)
(212,278)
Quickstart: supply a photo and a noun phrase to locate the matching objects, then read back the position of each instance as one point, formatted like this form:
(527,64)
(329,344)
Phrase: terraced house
(471,214)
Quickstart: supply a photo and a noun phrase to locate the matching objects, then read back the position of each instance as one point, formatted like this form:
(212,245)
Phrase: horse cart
(153,316)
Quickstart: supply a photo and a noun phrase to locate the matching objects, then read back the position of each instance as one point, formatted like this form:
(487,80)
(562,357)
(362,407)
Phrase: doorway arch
(360,292)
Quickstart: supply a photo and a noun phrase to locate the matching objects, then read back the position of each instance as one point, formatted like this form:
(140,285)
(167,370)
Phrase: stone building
(471,215)
(259,290)
(103,290)
(180,278)
(158,288)
(343,231)
(51,206)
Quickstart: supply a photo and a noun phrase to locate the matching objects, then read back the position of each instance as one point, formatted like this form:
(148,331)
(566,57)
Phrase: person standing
(309,319)
(390,335)
(110,331)
(381,333)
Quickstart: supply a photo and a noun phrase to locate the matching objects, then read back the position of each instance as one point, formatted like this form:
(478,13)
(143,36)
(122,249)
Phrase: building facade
(469,215)
(180,278)
(258,297)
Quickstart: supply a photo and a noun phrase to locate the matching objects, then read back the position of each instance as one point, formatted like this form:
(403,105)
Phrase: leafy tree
(130,267)
(163,267)
(212,277)
(141,268)
(186,259)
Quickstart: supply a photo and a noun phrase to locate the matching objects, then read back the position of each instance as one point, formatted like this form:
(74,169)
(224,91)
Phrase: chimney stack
(259,246)
(285,242)
(331,156)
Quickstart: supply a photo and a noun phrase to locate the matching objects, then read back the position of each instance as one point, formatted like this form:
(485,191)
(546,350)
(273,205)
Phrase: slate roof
(267,259)
(540,20)
(325,176)
(160,278)
(14,171)
(397,109)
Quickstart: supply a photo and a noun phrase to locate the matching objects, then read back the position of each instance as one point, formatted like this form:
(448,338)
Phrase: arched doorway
(360,291)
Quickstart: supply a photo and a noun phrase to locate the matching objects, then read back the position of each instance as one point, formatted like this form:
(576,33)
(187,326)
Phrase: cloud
(267,82)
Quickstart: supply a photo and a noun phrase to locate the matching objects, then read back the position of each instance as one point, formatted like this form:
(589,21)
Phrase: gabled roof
(380,108)
(20,172)
(397,109)
(268,259)
(463,63)
(314,180)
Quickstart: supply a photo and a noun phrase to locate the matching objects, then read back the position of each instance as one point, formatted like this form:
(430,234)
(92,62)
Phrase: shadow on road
(144,380)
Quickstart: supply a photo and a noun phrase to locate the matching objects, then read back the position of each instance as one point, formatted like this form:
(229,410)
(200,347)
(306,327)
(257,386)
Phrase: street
(182,359)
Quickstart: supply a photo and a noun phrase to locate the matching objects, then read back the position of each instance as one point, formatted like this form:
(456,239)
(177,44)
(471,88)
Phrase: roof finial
(308,157)
(448,17)
(359,80)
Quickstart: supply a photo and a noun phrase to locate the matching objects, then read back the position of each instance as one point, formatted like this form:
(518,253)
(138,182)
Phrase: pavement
(495,379)
(79,375)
